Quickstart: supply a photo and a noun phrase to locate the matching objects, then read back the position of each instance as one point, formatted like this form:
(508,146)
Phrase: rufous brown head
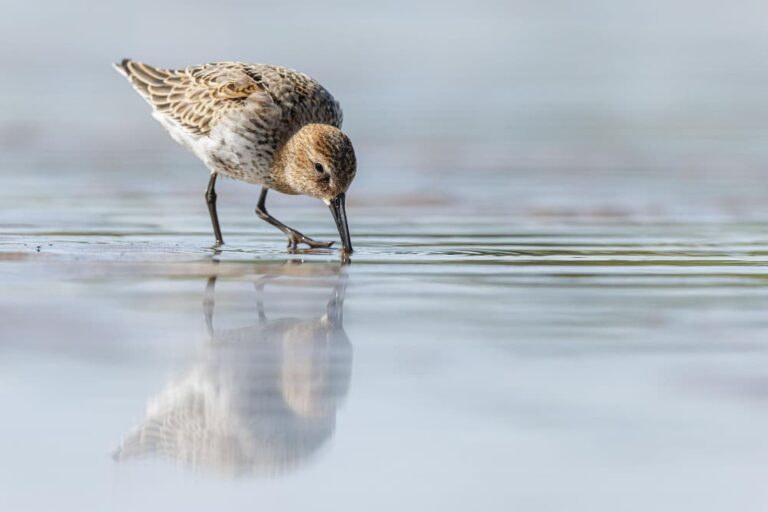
(319,161)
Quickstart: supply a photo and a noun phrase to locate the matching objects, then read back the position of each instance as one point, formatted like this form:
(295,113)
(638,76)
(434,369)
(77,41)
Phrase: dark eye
(319,167)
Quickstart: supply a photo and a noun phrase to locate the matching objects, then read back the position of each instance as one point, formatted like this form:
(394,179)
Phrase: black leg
(294,237)
(210,198)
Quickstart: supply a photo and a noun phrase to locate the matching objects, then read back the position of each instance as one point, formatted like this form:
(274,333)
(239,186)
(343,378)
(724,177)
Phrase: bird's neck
(288,158)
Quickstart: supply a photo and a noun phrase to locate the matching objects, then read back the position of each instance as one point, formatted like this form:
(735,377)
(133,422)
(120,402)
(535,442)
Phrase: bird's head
(319,161)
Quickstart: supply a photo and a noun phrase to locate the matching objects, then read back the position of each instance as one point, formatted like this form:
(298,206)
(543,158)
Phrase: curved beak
(339,212)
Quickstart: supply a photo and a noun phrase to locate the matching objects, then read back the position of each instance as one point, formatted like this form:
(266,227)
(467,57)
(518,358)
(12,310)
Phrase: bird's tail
(122,67)
(142,76)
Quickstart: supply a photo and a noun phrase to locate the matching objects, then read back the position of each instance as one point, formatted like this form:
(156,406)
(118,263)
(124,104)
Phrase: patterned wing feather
(193,97)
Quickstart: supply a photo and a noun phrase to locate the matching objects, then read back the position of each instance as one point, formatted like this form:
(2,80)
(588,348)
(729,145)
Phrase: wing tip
(122,66)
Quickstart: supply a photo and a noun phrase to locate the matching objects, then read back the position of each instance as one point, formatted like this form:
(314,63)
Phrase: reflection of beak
(339,211)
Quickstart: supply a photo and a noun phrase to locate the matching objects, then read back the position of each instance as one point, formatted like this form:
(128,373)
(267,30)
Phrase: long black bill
(339,211)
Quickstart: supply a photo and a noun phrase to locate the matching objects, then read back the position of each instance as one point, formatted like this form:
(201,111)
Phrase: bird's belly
(235,150)
(238,158)
(238,164)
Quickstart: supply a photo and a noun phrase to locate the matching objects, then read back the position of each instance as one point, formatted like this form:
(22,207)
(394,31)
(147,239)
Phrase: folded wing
(193,97)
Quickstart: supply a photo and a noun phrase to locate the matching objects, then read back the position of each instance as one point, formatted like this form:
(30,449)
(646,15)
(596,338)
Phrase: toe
(318,245)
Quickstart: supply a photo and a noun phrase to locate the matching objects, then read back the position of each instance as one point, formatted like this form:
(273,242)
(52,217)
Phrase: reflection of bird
(263,399)
(257,123)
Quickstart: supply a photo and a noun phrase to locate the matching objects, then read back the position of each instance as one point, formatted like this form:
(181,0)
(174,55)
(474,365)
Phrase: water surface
(507,339)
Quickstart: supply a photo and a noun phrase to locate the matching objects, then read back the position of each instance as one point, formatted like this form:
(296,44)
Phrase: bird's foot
(295,238)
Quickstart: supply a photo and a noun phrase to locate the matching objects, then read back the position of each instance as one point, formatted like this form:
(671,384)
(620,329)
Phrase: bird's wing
(194,97)
(302,99)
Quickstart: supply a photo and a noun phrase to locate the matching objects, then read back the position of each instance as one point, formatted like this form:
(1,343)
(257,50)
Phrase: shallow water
(510,339)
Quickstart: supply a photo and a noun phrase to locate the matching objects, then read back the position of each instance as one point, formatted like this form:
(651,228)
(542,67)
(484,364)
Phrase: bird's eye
(319,167)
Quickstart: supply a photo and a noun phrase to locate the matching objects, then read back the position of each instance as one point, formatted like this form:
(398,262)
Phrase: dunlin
(258,123)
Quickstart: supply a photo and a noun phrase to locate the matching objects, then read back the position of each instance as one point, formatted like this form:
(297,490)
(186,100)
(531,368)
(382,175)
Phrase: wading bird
(262,124)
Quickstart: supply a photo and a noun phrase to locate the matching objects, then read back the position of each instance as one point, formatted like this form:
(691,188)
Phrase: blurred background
(428,85)
(557,298)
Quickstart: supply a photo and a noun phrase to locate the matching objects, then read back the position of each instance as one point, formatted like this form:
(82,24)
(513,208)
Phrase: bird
(259,123)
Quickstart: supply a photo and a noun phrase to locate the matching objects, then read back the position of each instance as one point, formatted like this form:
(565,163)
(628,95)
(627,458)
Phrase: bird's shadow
(261,399)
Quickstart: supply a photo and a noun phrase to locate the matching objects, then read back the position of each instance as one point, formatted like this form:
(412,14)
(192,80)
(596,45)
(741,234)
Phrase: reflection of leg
(260,284)
(208,304)
(294,237)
